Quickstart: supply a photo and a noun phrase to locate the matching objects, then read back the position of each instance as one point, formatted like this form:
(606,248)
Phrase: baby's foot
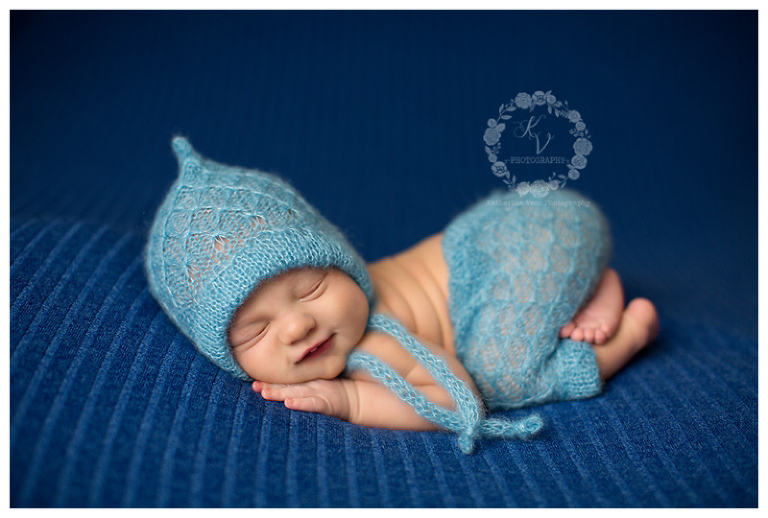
(644,315)
(599,319)
(639,326)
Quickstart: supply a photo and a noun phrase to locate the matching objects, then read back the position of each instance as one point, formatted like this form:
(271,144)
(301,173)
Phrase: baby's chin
(335,368)
(332,368)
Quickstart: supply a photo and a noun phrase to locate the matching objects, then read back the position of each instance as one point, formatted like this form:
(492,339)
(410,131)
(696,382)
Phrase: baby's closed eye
(243,336)
(314,291)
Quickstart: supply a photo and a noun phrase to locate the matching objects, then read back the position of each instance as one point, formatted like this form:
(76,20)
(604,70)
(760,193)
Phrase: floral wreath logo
(582,145)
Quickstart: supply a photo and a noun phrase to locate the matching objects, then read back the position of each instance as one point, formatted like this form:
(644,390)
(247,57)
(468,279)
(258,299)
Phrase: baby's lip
(317,349)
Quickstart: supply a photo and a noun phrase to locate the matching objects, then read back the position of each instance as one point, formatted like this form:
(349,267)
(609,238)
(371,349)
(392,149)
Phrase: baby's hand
(329,397)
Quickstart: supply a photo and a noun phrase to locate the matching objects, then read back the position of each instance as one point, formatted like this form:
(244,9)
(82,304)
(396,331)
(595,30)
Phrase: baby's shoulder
(413,286)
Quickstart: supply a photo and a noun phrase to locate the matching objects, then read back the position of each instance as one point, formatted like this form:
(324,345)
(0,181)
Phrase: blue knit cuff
(574,366)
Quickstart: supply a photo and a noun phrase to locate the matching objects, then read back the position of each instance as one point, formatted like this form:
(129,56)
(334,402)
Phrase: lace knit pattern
(220,231)
(520,268)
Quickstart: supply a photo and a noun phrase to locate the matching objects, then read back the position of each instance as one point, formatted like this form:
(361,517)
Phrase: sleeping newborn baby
(512,305)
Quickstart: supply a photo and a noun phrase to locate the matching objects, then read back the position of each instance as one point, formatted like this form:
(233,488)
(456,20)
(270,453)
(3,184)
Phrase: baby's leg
(597,321)
(638,326)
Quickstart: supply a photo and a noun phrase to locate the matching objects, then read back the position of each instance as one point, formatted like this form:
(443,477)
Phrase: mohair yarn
(222,230)
(521,268)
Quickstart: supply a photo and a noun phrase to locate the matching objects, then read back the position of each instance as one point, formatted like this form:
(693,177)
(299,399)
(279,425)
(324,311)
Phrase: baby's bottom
(518,273)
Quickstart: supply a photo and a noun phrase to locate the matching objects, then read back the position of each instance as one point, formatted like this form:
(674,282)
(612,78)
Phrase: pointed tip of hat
(182,147)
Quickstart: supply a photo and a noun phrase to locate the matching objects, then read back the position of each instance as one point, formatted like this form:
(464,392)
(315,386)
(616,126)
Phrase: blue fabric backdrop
(377,117)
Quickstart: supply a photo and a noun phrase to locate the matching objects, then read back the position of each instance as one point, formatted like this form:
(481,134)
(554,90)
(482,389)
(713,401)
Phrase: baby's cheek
(360,312)
(251,363)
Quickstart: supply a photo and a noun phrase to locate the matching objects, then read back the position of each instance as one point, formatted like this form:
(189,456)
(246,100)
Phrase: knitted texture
(519,270)
(223,230)
(467,420)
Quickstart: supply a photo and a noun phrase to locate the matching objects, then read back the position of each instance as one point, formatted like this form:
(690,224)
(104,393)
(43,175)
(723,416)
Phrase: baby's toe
(567,329)
(600,337)
(608,329)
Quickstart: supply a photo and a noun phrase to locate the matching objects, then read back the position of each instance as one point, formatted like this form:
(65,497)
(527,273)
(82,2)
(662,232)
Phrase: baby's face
(299,326)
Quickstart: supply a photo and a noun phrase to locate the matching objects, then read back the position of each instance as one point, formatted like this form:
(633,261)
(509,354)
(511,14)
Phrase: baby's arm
(361,400)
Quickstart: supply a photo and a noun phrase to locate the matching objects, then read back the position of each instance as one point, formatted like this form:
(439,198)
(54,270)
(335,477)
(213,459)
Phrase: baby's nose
(297,326)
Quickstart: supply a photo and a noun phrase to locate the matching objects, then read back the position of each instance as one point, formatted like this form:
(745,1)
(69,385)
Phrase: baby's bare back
(412,286)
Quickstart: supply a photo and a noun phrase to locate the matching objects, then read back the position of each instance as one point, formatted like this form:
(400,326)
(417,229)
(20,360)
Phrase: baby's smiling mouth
(318,349)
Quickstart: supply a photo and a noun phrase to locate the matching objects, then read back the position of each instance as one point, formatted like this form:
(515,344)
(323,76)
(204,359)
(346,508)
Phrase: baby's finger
(269,391)
(276,392)
(260,386)
(307,404)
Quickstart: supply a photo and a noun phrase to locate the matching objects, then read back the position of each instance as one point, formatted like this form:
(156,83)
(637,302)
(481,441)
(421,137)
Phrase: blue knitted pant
(520,268)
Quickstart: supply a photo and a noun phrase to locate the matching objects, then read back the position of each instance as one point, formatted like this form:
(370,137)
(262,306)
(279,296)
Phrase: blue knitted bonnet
(219,233)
